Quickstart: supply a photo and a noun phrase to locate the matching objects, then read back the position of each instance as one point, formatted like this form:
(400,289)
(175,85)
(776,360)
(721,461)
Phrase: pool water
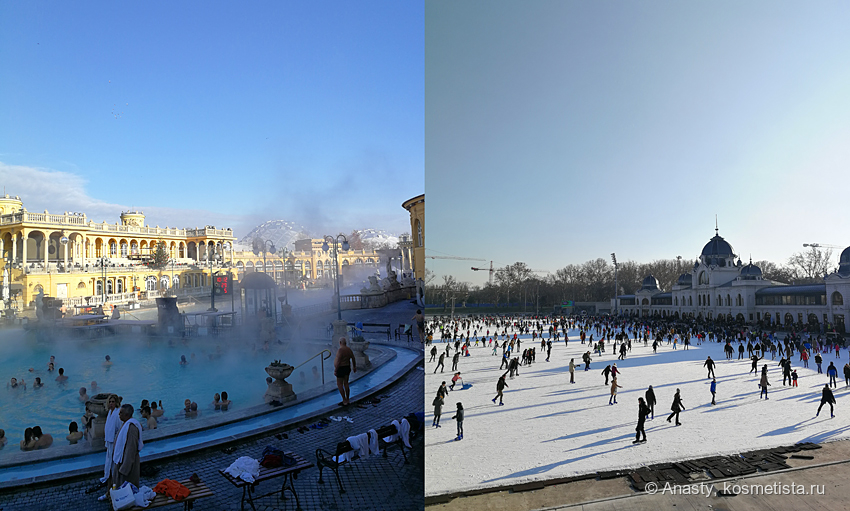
(142,368)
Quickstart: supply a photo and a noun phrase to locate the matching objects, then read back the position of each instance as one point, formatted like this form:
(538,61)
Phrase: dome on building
(844,263)
(717,247)
(650,283)
(751,272)
(685,279)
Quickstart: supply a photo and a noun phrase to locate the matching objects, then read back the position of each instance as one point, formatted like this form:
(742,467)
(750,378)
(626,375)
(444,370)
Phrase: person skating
(438,410)
(586,358)
(513,368)
(755,359)
(710,365)
(713,389)
(819,361)
(847,375)
(440,365)
(643,411)
(455,379)
(606,373)
(832,372)
(622,351)
(827,397)
(764,384)
(650,402)
(676,407)
(459,418)
(455,359)
(500,386)
(548,350)
(785,364)
(572,370)
(614,388)
(794,378)
(433,353)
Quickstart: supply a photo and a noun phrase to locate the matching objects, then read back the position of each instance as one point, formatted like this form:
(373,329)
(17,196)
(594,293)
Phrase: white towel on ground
(244,468)
(405,432)
(373,442)
(363,444)
(392,438)
(118,452)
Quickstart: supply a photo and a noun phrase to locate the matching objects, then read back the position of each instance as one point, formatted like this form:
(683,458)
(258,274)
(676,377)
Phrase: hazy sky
(224,113)
(558,132)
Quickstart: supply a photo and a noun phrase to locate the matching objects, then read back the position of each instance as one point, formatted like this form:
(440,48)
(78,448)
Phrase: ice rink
(550,428)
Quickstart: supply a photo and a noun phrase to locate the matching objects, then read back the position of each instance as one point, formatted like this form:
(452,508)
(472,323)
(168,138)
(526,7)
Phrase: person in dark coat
(827,397)
(440,363)
(676,408)
(755,359)
(650,401)
(643,411)
(710,365)
(832,372)
(606,373)
(433,353)
(847,375)
(500,386)
(455,359)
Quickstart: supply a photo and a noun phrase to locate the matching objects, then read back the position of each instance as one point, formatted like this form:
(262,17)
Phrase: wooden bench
(404,329)
(326,459)
(381,328)
(196,491)
(289,473)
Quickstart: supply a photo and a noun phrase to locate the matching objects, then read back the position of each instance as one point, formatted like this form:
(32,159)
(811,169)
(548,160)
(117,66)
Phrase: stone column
(24,248)
(46,247)
(14,247)
(2,247)
(66,255)
(339,332)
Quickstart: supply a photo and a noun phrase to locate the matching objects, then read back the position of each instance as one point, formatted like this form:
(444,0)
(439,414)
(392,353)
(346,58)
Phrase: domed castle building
(721,287)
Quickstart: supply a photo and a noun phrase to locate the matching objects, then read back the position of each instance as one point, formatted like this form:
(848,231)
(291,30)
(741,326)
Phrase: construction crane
(492,271)
(820,245)
(454,257)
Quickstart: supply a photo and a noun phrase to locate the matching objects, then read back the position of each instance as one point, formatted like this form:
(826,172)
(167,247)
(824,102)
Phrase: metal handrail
(322,361)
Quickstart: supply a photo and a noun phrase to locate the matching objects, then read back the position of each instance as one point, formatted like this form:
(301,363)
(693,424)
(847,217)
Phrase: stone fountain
(99,406)
(359,345)
(279,390)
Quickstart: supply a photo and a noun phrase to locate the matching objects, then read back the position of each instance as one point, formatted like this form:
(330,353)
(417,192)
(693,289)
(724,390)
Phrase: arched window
(249,266)
(176,282)
(113,249)
(109,287)
(120,286)
(134,248)
(676,301)
(150,283)
(740,300)
(703,278)
(837,299)
(98,288)
(719,301)
(163,283)
(240,266)
(728,300)
(124,249)
(644,302)
(690,301)
(418,227)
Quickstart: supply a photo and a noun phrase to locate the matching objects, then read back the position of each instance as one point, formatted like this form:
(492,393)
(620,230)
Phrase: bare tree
(810,266)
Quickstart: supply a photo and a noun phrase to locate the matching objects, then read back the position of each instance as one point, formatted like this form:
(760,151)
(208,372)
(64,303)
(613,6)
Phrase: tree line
(593,281)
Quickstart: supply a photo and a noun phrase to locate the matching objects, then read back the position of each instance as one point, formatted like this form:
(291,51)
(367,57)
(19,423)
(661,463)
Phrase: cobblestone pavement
(375,483)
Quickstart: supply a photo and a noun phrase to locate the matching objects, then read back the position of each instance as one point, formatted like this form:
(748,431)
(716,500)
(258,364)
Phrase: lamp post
(64,240)
(325,247)
(616,284)
(285,288)
(102,261)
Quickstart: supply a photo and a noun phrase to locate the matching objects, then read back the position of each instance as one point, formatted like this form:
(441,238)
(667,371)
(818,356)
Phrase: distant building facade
(721,287)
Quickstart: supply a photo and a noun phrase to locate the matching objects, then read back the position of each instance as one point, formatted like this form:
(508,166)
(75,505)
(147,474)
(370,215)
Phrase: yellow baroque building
(70,257)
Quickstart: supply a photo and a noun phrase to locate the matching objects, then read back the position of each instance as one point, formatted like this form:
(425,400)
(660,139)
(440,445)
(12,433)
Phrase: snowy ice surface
(549,428)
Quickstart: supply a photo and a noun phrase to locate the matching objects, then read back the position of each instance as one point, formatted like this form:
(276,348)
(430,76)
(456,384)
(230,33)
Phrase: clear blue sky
(225,113)
(558,132)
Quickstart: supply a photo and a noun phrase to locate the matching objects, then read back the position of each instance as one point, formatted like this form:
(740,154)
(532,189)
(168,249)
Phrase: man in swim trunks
(344,365)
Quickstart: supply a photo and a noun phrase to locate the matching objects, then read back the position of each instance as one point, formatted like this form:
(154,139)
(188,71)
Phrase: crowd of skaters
(508,333)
